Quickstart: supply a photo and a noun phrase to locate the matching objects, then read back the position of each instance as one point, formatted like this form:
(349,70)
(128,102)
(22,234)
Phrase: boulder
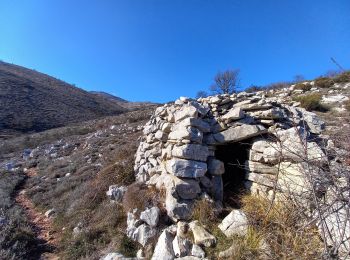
(234,113)
(315,124)
(164,247)
(189,133)
(195,152)
(161,136)
(195,122)
(197,251)
(116,192)
(185,111)
(239,133)
(272,113)
(217,189)
(151,216)
(182,246)
(202,109)
(201,236)
(235,223)
(264,179)
(186,168)
(185,188)
(143,234)
(261,168)
(178,209)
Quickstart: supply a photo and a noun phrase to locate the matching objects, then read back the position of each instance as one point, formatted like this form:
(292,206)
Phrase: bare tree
(201,94)
(226,82)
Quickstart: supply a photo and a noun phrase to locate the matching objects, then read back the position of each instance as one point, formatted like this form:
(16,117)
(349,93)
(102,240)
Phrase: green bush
(324,82)
(304,87)
(312,102)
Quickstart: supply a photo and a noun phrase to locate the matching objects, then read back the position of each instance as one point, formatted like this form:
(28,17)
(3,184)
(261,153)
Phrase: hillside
(33,101)
(109,96)
(122,102)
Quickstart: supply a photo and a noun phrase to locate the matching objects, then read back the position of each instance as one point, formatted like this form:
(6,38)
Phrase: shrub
(342,78)
(252,89)
(312,102)
(303,87)
(140,196)
(324,82)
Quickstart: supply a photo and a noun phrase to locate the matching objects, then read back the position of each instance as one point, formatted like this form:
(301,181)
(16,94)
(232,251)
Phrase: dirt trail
(41,224)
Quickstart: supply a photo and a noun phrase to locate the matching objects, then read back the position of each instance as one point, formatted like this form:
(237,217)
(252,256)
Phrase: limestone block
(186,168)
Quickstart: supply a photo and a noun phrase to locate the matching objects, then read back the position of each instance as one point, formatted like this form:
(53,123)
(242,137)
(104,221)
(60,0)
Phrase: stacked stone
(177,151)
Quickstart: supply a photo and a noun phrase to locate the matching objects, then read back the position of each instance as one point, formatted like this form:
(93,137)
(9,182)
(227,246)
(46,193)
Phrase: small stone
(50,213)
(215,167)
(201,236)
(235,223)
(197,251)
(116,192)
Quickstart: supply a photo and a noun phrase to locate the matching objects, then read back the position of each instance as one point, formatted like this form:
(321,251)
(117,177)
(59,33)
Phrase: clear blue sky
(158,50)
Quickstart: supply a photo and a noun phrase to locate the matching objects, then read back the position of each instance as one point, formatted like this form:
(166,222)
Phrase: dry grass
(283,228)
(141,196)
(204,213)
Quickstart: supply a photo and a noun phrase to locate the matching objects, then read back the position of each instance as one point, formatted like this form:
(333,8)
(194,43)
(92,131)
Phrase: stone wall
(177,151)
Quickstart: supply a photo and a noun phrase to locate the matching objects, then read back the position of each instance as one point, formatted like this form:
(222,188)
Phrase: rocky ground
(54,176)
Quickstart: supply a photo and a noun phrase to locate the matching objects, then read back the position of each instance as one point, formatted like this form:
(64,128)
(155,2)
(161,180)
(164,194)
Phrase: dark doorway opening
(234,156)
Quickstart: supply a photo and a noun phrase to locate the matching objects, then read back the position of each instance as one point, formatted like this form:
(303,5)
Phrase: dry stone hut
(220,145)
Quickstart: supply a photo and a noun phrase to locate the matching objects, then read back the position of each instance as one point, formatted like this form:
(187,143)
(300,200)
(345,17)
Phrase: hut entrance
(234,156)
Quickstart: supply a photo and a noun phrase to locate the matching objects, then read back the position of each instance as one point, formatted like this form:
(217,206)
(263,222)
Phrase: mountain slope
(109,96)
(33,101)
